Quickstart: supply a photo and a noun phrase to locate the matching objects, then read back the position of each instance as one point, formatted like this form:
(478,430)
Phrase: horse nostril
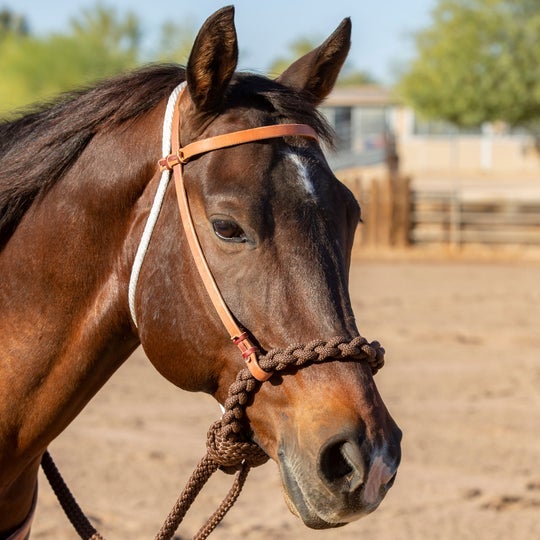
(333,465)
(341,465)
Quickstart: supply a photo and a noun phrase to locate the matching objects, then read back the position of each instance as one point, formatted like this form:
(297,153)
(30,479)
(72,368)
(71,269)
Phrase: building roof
(370,95)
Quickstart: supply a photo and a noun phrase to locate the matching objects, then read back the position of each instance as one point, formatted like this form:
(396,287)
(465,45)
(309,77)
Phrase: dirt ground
(462,380)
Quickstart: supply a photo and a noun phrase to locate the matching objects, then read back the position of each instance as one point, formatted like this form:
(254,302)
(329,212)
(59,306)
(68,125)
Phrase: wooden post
(401,218)
(386,207)
(373,215)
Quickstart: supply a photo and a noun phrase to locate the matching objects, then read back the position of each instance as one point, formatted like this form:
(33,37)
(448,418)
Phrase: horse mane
(40,146)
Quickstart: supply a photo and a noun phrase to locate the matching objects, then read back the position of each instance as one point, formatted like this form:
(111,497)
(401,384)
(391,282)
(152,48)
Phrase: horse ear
(212,60)
(317,72)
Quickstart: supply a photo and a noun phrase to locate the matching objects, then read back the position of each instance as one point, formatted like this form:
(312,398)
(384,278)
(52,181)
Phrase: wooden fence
(462,217)
(396,216)
(385,204)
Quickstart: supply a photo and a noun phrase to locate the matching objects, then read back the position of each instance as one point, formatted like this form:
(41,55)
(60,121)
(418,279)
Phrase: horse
(78,178)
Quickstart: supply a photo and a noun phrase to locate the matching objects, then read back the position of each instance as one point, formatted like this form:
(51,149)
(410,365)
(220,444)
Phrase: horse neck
(64,320)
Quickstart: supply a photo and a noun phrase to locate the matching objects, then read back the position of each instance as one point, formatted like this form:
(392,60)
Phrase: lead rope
(73,511)
(227,446)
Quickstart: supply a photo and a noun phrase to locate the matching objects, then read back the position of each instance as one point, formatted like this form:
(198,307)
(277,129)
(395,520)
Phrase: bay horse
(77,181)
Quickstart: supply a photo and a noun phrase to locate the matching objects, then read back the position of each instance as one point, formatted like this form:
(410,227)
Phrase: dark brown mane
(38,148)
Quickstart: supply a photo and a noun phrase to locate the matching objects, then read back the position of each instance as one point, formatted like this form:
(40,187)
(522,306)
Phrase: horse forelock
(278,103)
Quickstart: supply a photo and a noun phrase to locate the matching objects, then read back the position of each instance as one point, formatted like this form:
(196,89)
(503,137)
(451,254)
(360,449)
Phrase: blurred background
(437,115)
(437,110)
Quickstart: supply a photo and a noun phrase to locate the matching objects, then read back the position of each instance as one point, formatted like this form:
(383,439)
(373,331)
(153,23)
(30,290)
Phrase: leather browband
(175,161)
(183,155)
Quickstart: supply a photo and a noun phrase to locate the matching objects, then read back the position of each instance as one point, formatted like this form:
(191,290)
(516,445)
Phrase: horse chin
(302,511)
(300,506)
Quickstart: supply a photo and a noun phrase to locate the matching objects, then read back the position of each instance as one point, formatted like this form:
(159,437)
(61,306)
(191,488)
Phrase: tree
(349,75)
(352,77)
(104,28)
(99,43)
(296,49)
(176,41)
(10,23)
(479,61)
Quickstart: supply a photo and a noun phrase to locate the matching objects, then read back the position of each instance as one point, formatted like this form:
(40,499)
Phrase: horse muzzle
(348,480)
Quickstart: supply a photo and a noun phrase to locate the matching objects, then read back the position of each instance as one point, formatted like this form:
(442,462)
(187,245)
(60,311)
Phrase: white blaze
(303,173)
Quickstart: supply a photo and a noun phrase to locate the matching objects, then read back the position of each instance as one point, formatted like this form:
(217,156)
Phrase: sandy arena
(462,380)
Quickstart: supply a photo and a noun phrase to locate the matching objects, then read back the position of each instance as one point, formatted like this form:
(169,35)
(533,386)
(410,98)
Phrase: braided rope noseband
(229,445)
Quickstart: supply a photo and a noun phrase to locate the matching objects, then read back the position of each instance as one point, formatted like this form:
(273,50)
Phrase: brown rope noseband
(229,444)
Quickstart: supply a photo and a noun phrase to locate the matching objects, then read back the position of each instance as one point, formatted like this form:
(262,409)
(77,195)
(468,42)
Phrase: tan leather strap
(183,155)
(176,161)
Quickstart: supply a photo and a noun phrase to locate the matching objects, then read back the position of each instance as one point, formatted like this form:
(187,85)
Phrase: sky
(381,39)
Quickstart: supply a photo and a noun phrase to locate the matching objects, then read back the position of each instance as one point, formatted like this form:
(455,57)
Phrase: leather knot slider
(249,354)
(168,162)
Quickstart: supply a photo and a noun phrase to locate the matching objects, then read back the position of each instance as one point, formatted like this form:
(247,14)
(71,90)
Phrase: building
(369,119)
(362,117)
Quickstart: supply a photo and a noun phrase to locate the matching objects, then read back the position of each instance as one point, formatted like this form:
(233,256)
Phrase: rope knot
(229,452)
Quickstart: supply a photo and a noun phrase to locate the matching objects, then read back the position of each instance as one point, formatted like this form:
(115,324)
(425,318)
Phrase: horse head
(276,228)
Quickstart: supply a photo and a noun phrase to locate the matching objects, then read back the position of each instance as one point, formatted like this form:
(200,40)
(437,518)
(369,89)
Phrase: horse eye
(229,230)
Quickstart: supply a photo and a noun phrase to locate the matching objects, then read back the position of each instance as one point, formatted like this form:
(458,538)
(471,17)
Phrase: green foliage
(104,28)
(352,77)
(478,62)
(98,44)
(11,23)
(349,75)
(176,41)
(297,48)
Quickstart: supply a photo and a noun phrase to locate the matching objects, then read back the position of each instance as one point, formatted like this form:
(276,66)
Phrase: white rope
(156,205)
